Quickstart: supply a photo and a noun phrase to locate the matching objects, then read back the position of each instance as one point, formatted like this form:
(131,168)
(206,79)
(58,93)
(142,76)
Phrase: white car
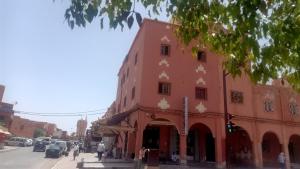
(17,141)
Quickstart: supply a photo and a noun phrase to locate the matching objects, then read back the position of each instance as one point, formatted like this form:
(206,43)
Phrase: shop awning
(112,126)
(117,118)
(4,130)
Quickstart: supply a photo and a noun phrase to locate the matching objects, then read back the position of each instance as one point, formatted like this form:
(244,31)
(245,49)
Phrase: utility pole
(227,153)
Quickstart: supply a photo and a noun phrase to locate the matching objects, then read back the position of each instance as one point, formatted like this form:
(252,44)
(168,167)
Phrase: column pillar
(183,148)
(139,135)
(257,152)
(220,144)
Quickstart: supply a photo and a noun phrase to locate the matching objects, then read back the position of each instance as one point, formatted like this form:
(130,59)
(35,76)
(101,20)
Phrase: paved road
(24,158)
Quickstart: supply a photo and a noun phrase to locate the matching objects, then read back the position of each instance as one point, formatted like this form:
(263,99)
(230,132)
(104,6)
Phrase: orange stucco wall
(184,73)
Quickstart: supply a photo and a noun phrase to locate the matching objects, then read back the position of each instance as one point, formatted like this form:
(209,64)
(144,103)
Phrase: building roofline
(145,20)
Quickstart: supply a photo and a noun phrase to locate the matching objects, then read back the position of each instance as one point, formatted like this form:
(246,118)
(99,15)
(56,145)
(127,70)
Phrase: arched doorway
(271,147)
(240,148)
(294,149)
(162,135)
(200,144)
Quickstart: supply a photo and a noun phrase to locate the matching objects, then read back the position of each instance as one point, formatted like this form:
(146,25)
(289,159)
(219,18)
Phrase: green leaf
(138,18)
(130,21)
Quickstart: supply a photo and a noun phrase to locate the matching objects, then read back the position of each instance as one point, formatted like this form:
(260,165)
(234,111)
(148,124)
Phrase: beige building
(81,128)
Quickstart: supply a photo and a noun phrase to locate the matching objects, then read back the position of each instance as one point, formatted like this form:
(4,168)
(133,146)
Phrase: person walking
(100,150)
(75,151)
(141,156)
(281,160)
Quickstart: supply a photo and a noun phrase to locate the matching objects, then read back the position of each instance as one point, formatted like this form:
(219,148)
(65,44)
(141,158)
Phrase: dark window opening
(201,93)
(164,88)
(135,59)
(237,97)
(133,93)
(201,56)
(165,50)
(124,102)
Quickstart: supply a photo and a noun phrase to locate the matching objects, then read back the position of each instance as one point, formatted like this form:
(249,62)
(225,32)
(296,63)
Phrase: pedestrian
(141,156)
(100,150)
(75,151)
(281,160)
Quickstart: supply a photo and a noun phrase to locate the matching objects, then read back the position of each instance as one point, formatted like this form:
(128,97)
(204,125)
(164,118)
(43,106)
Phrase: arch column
(139,134)
(256,148)
(285,149)
(220,144)
(182,142)
(257,152)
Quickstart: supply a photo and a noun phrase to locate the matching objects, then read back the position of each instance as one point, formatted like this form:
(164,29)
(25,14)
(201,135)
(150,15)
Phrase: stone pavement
(90,161)
(8,148)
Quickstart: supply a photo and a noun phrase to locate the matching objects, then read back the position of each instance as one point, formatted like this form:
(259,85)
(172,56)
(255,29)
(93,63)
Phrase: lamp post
(227,153)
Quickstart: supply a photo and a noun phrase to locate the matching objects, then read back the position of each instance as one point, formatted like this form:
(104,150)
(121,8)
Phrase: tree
(39,133)
(258,37)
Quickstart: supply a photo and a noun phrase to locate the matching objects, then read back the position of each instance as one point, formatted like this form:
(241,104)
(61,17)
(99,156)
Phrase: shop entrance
(200,144)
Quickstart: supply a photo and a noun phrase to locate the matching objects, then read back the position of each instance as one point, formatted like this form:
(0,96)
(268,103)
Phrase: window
(119,107)
(165,50)
(132,93)
(201,56)
(123,80)
(124,102)
(201,93)
(293,108)
(236,97)
(135,59)
(268,105)
(164,88)
(21,127)
(127,71)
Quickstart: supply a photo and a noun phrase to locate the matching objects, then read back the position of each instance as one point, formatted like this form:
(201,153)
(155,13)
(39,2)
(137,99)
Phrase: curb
(7,150)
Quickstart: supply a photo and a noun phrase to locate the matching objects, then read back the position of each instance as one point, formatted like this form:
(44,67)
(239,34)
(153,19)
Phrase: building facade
(6,110)
(81,128)
(26,128)
(174,102)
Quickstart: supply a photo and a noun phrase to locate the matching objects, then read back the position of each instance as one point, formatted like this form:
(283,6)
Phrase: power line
(89,112)
(81,112)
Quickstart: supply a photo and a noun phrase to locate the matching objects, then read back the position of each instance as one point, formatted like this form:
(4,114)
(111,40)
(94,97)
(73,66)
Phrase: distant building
(26,128)
(6,110)
(81,128)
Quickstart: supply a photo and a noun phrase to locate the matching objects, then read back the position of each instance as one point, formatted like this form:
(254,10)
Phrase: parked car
(39,146)
(46,140)
(29,142)
(53,150)
(62,145)
(17,141)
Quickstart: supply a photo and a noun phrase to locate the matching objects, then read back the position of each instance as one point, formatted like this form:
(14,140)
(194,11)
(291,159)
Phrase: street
(24,158)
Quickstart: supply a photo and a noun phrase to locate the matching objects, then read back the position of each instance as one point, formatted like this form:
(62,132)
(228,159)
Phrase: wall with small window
(171,71)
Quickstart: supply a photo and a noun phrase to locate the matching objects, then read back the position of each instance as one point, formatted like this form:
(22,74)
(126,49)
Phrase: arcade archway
(240,148)
(294,149)
(200,144)
(162,135)
(271,147)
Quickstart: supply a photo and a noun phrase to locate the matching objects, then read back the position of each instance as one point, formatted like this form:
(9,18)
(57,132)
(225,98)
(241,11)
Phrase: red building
(158,73)
(6,110)
(26,128)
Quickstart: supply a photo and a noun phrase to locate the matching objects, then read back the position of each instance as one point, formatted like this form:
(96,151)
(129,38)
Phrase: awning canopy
(4,130)
(117,118)
(112,126)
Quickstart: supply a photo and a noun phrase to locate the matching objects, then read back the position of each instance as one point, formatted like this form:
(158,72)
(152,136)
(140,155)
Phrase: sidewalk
(90,161)
(8,148)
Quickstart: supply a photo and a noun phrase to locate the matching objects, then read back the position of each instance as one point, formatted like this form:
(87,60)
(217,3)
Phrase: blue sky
(49,68)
